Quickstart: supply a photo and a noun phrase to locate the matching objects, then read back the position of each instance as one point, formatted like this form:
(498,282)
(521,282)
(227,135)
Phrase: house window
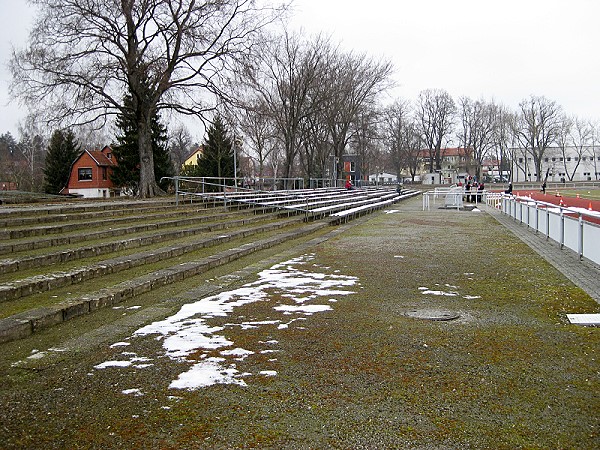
(84,174)
(553,159)
(584,158)
(569,159)
(109,155)
(520,160)
(352,166)
(545,159)
(104,174)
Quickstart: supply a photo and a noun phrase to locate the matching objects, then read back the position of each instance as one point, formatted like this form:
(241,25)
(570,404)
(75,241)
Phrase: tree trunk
(148,187)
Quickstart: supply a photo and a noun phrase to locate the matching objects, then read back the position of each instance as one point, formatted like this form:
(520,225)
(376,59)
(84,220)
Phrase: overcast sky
(504,50)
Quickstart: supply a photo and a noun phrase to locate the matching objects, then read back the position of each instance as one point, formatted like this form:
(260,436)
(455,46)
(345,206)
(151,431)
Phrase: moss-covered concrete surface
(509,372)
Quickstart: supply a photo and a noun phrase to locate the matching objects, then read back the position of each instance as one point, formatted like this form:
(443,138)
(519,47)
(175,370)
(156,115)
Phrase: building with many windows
(561,164)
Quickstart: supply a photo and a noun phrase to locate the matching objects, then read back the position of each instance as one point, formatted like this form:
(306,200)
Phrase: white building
(570,164)
(383,178)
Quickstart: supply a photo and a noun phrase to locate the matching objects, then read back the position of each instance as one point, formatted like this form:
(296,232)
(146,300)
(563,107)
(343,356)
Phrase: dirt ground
(367,367)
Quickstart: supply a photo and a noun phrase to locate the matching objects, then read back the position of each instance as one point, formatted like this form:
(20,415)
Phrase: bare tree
(503,139)
(354,81)
(85,56)
(537,127)
(435,114)
(254,125)
(595,147)
(398,128)
(285,81)
(581,137)
(367,139)
(478,120)
(180,146)
(32,143)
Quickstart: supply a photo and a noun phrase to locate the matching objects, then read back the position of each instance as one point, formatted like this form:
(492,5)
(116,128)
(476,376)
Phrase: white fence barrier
(567,226)
(453,197)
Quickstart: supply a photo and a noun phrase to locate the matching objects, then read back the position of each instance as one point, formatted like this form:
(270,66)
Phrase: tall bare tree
(537,127)
(84,56)
(285,81)
(32,143)
(595,148)
(400,136)
(435,114)
(355,81)
(503,138)
(478,120)
(367,139)
(180,145)
(254,125)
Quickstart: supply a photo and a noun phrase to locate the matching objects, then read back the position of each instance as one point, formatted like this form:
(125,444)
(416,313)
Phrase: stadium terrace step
(24,324)
(59,257)
(42,283)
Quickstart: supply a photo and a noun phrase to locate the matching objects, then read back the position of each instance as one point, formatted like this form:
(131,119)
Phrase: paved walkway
(584,274)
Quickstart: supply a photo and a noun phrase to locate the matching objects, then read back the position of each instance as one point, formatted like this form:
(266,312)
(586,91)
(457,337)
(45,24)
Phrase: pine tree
(127,172)
(217,158)
(62,152)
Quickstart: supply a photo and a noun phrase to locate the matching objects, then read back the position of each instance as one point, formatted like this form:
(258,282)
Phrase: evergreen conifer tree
(217,158)
(126,152)
(62,152)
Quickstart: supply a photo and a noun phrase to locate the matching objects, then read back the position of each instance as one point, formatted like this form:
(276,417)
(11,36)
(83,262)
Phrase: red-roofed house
(90,174)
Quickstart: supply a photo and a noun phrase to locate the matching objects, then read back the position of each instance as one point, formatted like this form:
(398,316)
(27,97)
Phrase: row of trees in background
(292,105)
(307,102)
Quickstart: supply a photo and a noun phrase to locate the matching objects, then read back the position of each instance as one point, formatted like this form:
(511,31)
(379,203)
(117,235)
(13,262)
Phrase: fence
(453,197)
(567,226)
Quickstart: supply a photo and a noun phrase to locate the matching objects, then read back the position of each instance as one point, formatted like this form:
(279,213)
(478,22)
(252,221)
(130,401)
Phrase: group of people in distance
(473,190)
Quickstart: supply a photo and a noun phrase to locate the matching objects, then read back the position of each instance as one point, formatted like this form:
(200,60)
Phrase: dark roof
(100,158)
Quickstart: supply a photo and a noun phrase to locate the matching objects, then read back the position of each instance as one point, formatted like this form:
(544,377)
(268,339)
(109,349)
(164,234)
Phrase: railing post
(562,229)
(580,237)
(547,223)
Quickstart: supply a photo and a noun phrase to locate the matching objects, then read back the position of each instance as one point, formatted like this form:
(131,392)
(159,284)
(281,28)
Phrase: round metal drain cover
(433,314)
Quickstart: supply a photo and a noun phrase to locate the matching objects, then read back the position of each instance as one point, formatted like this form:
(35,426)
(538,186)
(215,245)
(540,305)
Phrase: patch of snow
(107,364)
(207,373)
(239,352)
(305,309)
(442,293)
(134,392)
(120,344)
(268,373)
(186,333)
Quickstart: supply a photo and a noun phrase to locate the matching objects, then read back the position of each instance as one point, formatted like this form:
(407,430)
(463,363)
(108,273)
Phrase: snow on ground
(447,293)
(188,336)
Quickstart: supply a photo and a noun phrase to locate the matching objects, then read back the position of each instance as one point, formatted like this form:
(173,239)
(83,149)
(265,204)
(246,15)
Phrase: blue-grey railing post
(580,237)
(176,191)
(547,223)
(562,229)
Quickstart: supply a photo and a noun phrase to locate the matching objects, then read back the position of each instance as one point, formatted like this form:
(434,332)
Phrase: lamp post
(237,142)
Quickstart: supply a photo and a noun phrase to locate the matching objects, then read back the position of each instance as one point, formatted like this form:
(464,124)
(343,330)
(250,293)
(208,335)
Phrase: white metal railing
(453,197)
(567,226)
